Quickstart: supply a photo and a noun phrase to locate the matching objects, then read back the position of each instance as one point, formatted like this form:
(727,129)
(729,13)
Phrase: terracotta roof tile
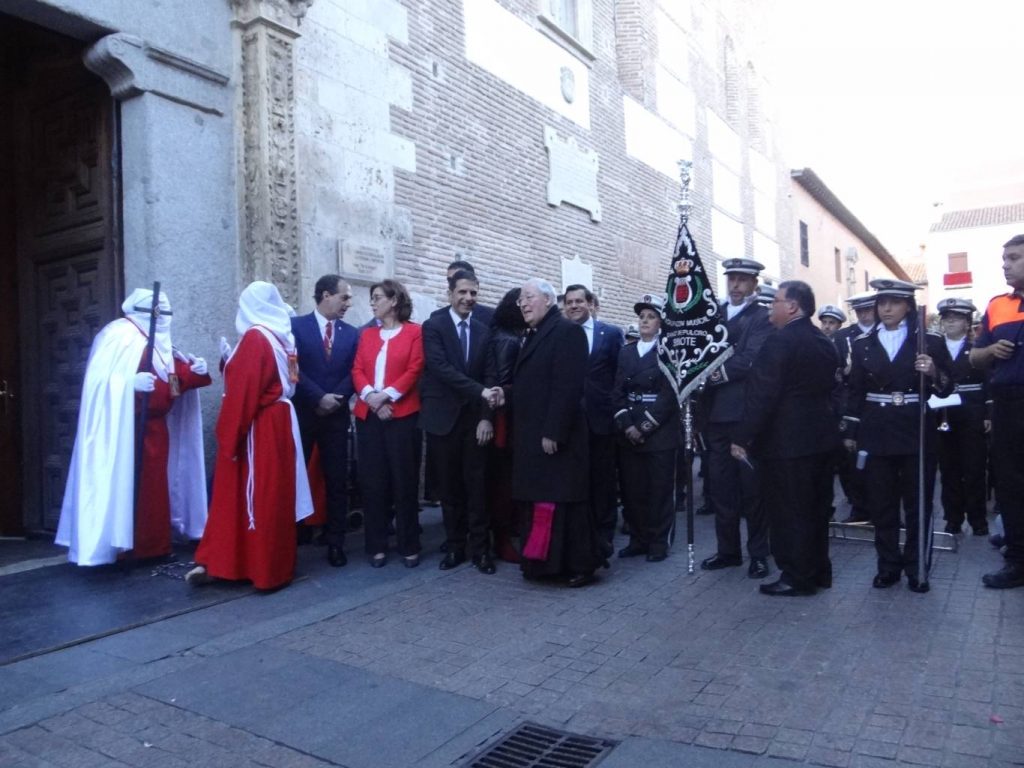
(980,217)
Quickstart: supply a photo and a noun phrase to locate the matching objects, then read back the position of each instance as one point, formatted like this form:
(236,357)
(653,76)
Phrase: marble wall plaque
(572,174)
(363,263)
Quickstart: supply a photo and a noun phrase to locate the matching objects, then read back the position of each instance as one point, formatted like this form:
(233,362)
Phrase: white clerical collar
(456,319)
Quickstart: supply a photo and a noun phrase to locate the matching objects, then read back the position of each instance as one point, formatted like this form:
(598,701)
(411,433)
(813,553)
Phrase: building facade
(206,143)
(964,251)
(835,253)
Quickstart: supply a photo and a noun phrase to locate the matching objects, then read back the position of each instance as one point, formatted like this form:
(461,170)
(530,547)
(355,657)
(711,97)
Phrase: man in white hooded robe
(98,521)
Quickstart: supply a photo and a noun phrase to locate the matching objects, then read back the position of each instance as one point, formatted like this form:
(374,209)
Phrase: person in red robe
(260,488)
(99,522)
(152,528)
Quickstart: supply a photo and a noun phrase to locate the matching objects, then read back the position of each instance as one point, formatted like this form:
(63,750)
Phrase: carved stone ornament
(270,221)
(130,66)
(568,85)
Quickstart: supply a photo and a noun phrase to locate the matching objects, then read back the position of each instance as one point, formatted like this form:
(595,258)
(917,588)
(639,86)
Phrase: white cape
(96,519)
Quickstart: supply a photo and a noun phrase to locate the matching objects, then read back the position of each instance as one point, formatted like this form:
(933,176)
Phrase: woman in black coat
(507,330)
(883,418)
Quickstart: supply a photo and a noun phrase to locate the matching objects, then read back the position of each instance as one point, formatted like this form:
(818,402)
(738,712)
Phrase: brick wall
(478,186)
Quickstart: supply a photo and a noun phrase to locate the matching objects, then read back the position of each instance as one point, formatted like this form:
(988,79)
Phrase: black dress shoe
(579,580)
(885,580)
(379,560)
(917,586)
(411,561)
(484,563)
(1010,576)
(717,561)
(632,550)
(758,568)
(656,557)
(452,560)
(981,530)
(782,589)
(336,556)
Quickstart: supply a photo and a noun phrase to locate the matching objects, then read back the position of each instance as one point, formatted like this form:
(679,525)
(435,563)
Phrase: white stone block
(726,235)
(764,213)
(762,173)
(353,105)
(726,189)
(509,48)
(339,21)
(652,141)
(673,45)
(400,86)
(724,142)
(387,15)
(676,102)
(766,250)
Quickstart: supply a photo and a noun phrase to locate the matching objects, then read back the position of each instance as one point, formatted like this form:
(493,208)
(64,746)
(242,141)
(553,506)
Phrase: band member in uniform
(850,479)
(790,426)
(735,486)
(1000,347)
(883,417)
(831,318)
(647,417)
(963,426)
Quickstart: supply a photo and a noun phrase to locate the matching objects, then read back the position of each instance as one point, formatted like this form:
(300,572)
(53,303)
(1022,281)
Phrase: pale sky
(894,103)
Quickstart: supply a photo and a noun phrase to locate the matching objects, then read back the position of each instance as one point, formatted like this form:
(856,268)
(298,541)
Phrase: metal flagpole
(923,536)
(688,457)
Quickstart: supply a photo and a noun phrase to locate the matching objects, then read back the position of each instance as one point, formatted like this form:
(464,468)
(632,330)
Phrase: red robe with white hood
(260,488)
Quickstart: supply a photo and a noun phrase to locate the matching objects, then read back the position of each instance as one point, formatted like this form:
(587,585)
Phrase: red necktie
(328,338)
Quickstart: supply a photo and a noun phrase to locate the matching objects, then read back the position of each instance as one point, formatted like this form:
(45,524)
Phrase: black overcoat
(547,401)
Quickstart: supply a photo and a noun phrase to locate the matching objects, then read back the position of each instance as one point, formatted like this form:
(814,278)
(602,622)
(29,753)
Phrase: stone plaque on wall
(572,174)
(362,263)
(576,272)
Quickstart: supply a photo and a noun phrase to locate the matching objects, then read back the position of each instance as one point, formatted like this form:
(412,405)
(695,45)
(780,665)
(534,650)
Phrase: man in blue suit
(327,347)
(605,341)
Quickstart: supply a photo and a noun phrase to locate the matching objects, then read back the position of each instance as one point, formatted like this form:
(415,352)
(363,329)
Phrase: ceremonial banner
(694,339)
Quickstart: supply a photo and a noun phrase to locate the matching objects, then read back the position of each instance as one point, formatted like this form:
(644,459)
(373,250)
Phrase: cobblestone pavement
(850,677)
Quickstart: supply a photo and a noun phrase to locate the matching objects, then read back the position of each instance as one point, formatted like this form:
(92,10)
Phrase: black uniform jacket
(547,401)
(450,383)
(886,429)
(644,399)
(747,333)
(788,410)
(972,386)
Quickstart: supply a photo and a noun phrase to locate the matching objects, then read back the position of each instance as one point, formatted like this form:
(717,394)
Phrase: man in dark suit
(550,477)
(789,426)
(735,486)
(604,342)
(481,312)
(326,348)
(454,402)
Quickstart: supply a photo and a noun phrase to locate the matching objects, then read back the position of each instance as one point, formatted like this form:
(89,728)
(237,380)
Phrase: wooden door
(68,270)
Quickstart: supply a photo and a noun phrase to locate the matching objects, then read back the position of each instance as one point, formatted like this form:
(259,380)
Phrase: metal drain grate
(536,746)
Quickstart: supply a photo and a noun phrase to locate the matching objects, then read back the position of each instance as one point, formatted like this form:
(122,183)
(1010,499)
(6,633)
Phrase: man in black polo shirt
(998,347)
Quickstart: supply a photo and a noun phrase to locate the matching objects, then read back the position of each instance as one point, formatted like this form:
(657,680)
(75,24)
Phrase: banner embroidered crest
(694,338)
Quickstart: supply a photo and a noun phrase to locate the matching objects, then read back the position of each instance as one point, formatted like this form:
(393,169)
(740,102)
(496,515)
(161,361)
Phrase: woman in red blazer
(386,375)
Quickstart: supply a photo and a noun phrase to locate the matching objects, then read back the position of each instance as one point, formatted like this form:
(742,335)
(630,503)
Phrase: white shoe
(198,576)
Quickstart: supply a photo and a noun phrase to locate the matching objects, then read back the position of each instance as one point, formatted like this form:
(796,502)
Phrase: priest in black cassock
(550,469)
